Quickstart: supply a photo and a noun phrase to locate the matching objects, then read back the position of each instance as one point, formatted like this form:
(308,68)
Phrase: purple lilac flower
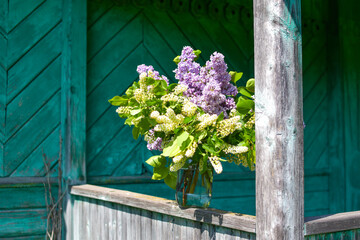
(145,69)
(156,145)
(208,86)
(153,144)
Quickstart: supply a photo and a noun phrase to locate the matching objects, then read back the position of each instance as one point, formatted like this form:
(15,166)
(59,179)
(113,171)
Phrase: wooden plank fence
(105,213)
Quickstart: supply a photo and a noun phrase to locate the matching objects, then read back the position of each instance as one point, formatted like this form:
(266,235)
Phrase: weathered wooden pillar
(279,120)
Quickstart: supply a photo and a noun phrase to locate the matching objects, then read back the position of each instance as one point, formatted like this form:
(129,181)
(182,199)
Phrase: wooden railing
(105,213)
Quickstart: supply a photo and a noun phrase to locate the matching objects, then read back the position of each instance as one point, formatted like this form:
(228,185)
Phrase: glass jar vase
(193,189)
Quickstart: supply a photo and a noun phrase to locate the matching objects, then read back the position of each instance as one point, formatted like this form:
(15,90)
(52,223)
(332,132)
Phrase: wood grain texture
(279,120)
(73,93)
(349,21)
(73,103)
(126,215)
(332,223)
(168,207)
(117,221)
(22,222)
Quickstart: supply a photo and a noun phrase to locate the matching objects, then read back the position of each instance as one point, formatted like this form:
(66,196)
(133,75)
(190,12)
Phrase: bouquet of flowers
(199,122)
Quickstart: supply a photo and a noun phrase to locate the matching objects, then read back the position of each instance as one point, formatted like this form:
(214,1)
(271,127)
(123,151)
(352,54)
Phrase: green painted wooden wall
(35,64)
(36,73)
(30,86)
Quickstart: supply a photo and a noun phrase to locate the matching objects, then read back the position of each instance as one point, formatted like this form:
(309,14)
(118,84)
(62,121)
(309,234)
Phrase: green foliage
(156,161)
(170,180)
(189,137)
(235,76)
(244,105)
(250,85)
(119,101)
(179,144)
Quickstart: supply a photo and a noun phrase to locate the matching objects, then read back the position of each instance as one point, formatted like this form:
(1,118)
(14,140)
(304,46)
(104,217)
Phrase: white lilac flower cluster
(168,122)
(228,126)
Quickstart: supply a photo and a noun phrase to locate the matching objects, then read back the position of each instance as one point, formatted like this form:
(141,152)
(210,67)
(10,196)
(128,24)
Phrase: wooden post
(73,103)
(279,120)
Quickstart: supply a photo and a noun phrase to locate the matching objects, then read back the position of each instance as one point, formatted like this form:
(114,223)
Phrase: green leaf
(149,80)
(133,102)
(159,89)
(250,85)
(128,121)
(175,147)
(197,53)
(176,59)
(136,85)
(135,111)
(217,141)
(164,84)
(245,92)
(170,180)
(152,102)
(144,125)
(235,76)
(156,161)
(220,117)
(160,173)
(208,148)
(118,101)
(202,135)
(186,143)
(244,105)
(130,91)
(135,132)
(188,119)
(204,159)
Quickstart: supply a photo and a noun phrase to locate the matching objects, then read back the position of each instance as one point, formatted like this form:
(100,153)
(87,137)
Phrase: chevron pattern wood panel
(30,71)
(133,36)
(31,34)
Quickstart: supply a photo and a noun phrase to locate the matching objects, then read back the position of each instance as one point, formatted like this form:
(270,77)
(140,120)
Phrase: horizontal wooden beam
(25,180)
(332,223)
(237,221)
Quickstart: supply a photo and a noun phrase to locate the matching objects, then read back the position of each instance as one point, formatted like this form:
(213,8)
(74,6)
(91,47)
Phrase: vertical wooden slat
(73,90)
(136,223)
(145,224)
(119,222)
(176,229)
(4,11)
(73,100)
(76,219)
(336,128)
(279,120)
(166,227)
(92,218)
(85,226)
(125,222)
(104,220)
(112,226)
(156,232)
